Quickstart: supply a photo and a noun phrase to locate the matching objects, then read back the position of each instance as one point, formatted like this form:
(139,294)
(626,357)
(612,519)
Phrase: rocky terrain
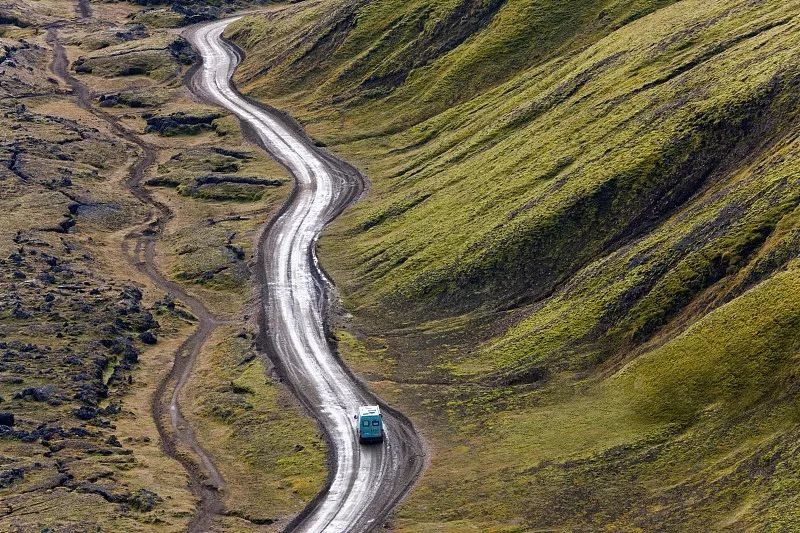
(71,332)
(130,215)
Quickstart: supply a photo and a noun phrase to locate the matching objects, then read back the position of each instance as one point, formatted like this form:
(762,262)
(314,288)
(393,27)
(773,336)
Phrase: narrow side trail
(84,9)
(175,434)
(366,482)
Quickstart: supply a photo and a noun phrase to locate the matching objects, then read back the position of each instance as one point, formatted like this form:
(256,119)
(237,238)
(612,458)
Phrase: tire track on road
(365,482)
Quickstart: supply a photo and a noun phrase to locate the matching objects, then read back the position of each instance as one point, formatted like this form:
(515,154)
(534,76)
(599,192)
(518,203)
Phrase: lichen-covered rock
(144,500)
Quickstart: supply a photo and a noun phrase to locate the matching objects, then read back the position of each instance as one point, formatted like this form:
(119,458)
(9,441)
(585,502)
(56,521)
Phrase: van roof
(369,410)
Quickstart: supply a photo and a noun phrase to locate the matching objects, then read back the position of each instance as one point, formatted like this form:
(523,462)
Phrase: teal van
(370,424)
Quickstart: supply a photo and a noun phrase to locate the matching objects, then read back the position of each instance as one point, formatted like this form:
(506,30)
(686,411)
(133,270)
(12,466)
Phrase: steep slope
(401,62)
(577,262)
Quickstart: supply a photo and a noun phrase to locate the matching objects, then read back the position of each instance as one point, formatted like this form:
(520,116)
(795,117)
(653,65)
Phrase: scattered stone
(144,500)
(85,412)
(20,313)
(111,409)
(8,477)
(147,337)
(193,14)
(7,419)
(108,100)
(132,33)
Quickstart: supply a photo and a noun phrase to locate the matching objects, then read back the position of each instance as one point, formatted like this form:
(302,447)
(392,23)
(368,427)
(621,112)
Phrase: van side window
(376,423)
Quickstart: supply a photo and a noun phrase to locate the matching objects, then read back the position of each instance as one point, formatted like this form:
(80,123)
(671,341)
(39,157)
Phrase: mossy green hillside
(401,62)
(727,379)
(550,152)
(696,433)
(709,253)
(576,264)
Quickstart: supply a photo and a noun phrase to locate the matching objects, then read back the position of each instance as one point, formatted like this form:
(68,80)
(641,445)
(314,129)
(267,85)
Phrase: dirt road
(366,482)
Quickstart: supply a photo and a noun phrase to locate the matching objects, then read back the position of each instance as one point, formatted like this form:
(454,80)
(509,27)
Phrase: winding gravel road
(365,482)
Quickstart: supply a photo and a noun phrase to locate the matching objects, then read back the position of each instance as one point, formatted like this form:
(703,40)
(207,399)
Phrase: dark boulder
(8,477)
(130,354)
(147,337)
(20,313)
(108,100)
(85,412)
(37,394)
(81,67)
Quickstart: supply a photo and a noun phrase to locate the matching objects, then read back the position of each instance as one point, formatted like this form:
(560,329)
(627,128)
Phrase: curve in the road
(366,482)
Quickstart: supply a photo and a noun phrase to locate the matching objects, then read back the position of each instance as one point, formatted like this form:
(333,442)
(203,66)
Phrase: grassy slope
(598,225)
(272,458)
(357,54)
